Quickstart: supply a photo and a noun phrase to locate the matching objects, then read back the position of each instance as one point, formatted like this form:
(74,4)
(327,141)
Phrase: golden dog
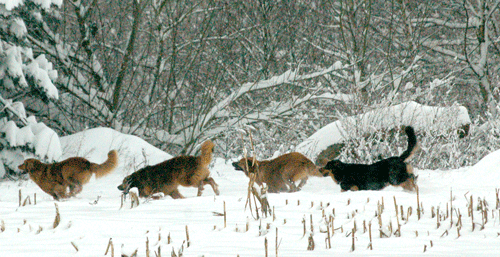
(54,179)
(280,174)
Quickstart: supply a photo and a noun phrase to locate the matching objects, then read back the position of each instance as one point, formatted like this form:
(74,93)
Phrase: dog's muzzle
(236,166)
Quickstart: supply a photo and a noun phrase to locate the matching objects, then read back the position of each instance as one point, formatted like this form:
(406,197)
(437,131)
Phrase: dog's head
(247,165)
(411,183)
(126,185)
(334,165)
(29,166)
(331,169)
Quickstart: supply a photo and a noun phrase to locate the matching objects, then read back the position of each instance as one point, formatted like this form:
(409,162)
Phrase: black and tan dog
(280,174)
(65,179)
(165,177)
(391,171)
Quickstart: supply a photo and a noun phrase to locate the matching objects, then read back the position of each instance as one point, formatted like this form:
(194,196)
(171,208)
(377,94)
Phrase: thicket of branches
(178,72)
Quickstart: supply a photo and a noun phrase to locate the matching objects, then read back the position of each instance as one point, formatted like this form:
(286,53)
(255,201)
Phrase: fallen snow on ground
(91,219)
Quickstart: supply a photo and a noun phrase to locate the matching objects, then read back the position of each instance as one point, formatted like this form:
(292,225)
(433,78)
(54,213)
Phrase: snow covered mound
(409,113)
(486,172)
(94,144)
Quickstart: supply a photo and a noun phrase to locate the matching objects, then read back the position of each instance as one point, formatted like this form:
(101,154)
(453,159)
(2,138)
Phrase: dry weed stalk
(224,214)
(2,226)
(304,223)
(27,201)
(353,239)
(187,237)
(147,247)
(459,221)
(20,197)
(252,191)
(57,220)
(451,207)
(418,203)
(265,245)
(110,247)
(34,198)
(396,206)
(310,245)
(370,235)
(158,254)
(438,218)
(328,241)
(497,192)
(134,199)
(74,245)
(332,220)
(409,212)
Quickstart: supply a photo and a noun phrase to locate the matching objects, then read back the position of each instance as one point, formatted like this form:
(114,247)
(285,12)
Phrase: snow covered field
(90,220)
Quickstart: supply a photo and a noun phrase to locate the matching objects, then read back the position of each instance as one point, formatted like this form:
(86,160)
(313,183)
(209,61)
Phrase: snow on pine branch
(36,135)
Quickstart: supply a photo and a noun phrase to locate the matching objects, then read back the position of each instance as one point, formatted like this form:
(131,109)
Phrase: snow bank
(419,116)
(95,144)
(486,172)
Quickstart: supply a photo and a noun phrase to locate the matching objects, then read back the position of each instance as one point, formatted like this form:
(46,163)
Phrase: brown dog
(280,174)
(54,179)
(165,177)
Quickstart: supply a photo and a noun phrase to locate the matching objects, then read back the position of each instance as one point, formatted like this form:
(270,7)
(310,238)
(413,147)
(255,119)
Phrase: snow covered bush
(23,76)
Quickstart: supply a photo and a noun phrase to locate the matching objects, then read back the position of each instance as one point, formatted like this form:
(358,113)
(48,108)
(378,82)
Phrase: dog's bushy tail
(107,167)
(206,153)
(412,144)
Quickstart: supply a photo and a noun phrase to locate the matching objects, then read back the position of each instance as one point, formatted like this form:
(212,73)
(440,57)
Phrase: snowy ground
(90,220)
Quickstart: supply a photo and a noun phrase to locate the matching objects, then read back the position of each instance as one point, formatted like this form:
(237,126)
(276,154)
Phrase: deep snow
(89,220)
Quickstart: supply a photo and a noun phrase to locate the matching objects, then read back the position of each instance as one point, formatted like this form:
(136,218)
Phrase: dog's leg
(302,183)
(201,187)
(291,186)
(75,187)
(175,194)
(212,183)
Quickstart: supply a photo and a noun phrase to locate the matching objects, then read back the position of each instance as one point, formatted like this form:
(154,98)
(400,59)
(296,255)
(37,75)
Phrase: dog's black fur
(378,175)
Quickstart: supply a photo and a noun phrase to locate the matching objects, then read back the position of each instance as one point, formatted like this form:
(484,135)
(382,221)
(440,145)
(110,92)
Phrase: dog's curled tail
(106,167)
(412,144)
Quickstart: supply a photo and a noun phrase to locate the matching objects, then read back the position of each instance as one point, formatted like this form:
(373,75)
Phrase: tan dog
(280,174)
(165,177)
(54,179)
